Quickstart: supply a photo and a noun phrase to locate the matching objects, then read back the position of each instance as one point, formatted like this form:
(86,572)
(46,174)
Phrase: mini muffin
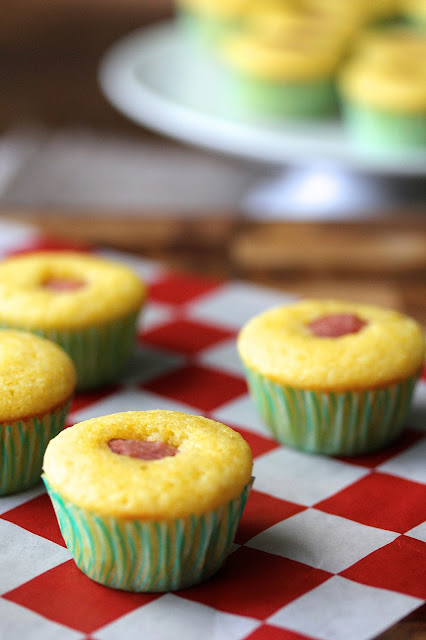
(384,93)
(37,381)
(86,304)
(332,377)
(285,72)
(148,500)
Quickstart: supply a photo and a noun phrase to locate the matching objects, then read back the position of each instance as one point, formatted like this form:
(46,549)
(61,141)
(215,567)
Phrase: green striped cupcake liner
(145,555)
(250,95)
(203,32)
(383,131)
(99,353)
(334,423)
(22,447)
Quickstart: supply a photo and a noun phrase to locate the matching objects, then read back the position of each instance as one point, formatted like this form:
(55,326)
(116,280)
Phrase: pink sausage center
(142,449)
(337,325)
(59,284)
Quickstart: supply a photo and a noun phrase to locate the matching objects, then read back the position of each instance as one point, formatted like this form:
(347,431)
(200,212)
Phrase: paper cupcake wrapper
(346,423)
(291,100)
(382,131)
(99,353)
(148,556)
(201,31)
(22,447)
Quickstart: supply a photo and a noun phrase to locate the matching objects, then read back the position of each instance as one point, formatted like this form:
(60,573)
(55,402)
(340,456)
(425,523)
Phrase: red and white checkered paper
(328,548)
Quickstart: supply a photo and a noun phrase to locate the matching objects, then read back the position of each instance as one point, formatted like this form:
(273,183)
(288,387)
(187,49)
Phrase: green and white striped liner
(22,447)
(144,555)
(202,31)
(251,95)
(380,131)
(99,353)
(345,423)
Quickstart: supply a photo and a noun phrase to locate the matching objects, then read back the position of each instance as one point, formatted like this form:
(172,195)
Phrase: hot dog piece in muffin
(332,377)
(86,304)
(37,381)
(148,501)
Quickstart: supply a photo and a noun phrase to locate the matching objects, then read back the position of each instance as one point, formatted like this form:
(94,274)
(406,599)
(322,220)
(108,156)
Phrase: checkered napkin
(328,548)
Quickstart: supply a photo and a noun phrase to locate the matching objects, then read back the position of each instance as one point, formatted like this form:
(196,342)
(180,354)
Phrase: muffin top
(415,8)
(66,290)
(293,55)
(194,464)
(388,73)
(36,376)
(382,8)
(290,345)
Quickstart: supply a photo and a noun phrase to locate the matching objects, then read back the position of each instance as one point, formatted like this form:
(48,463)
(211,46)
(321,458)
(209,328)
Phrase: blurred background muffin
(384,92)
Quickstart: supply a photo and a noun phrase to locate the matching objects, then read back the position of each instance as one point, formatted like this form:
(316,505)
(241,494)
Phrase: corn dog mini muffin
(332,377)
(148,500)
(86,304)
(383,91)
(37,381)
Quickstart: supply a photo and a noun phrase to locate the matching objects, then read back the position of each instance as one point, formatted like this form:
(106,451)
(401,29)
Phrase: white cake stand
(152,78)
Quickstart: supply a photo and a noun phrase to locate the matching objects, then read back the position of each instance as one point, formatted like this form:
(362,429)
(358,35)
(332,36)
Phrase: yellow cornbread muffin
(37,381)
(332,377)
(86,304)
(286,72)
(384,92)
(148,500)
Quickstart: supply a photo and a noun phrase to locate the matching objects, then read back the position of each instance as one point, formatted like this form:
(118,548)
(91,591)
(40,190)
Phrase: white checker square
(241,413)
(173,617)
(10,502)
(301,477)
(244,299)
(15,236)
(154,315)
(129,399)
(340,609)
(148,270)
(418,532)
(19,622)
(409,464)
(224,357)
(321,540)
(25,555)
(146,363)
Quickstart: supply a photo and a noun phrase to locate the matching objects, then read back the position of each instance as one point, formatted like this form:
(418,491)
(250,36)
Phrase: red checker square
(258,444)
(261,512)
(203,388)
(186,336)
(399,566)
(37,516)
(406,439)
(380,500)
(268,632)
(256,584)
(64,594)
(181,288)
